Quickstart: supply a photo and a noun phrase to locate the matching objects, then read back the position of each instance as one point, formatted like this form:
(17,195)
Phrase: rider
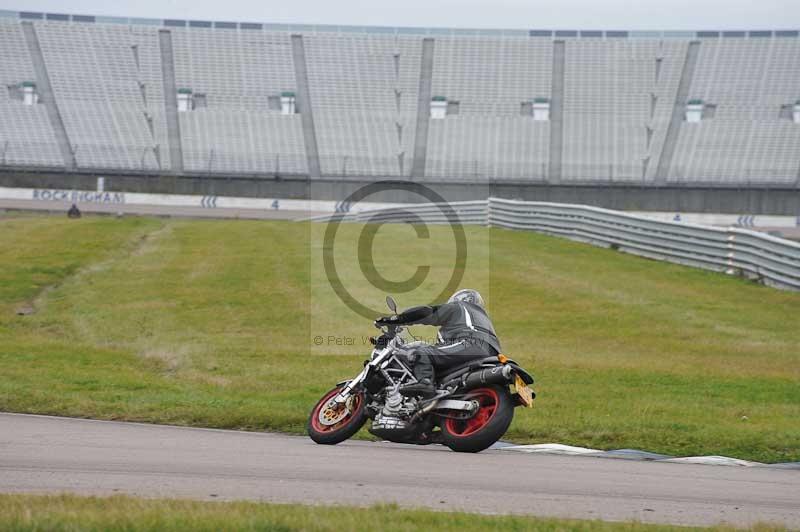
(465,333)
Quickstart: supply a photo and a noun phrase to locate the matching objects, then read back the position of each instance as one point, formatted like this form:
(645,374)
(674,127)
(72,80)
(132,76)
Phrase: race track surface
(48,454)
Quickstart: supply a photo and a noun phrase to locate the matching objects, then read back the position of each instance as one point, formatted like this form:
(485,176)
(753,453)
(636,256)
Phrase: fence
(464,212)
(773,261)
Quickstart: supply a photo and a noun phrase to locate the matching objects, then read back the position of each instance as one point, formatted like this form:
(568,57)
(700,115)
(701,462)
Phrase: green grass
(69,512)
(211,323)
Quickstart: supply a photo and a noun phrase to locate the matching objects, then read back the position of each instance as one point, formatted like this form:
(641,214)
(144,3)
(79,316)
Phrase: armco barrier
(774,261)
(465,212)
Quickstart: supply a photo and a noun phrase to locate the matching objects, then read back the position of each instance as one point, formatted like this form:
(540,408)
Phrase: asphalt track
(49,454)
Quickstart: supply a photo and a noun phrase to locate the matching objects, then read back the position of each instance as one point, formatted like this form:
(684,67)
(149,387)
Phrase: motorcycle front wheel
(488,425)
(330,423)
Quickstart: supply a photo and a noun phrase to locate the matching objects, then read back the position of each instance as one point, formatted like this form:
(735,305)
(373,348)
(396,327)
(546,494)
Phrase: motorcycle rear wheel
(345,424)
(488,424)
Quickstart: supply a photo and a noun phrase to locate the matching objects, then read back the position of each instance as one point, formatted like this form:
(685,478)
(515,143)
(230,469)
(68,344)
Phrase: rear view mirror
(391,304)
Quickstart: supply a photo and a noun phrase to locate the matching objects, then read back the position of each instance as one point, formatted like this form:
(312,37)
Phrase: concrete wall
(665,198)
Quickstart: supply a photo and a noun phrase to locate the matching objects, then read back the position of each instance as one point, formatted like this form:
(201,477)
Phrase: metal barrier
(773,261)
(464,212)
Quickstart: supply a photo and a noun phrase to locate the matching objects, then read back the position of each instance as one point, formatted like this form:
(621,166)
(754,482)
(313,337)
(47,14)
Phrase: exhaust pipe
(494,375)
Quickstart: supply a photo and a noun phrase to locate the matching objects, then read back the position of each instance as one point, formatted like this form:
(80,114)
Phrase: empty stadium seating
(25,134)
(106,93)
(616,107)
(237,72)
(613,95)
(747,140)
(490,77)
(364,95)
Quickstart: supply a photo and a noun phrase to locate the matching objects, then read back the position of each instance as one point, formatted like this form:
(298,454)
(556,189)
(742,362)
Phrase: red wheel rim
(488,400)
(319,427)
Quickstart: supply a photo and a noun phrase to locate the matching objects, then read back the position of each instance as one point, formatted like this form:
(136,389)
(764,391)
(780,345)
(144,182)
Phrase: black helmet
(468,296)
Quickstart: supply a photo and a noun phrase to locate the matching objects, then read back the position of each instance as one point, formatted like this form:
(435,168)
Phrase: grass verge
(67,512)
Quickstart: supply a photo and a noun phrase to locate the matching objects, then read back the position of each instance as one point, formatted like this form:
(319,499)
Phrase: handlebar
(389,332)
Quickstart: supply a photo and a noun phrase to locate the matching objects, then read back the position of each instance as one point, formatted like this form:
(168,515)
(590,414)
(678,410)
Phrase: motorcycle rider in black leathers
(466,333)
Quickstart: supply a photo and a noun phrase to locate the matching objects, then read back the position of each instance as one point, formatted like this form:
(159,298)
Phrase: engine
(391,423)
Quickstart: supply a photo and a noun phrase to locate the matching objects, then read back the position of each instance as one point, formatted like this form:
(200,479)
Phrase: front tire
(327,425)
(488,424)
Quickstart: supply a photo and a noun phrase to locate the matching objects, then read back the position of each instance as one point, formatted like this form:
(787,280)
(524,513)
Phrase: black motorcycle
(472,409)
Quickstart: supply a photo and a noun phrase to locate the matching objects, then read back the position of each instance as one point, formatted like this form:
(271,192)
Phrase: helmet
(468,296)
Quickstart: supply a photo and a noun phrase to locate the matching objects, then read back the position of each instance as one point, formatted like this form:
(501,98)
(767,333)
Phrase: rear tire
(342,429)
(488,424)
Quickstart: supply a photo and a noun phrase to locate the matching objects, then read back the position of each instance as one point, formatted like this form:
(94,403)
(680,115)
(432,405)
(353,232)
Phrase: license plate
(523,391)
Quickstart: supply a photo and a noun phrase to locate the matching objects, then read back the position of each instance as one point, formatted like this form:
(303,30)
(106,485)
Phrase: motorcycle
(472,408)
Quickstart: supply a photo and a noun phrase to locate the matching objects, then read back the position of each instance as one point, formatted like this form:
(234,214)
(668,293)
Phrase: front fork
(375,361)
(346,392)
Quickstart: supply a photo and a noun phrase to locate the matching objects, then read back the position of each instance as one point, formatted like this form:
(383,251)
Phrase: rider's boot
(423,372)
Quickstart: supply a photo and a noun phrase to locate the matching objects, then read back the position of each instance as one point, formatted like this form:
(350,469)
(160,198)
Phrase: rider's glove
(385,320)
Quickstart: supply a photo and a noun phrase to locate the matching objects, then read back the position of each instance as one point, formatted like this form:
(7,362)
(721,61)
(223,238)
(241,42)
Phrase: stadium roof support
(303,102)
(674,128)
(47,96)
(423,109)
(797,185)
(557,112)
(171,101)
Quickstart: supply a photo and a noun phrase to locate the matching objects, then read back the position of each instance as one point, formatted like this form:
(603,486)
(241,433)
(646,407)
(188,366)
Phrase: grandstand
(132,96)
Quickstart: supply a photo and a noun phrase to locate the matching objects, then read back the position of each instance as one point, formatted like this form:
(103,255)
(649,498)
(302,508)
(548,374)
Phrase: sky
(511,14)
